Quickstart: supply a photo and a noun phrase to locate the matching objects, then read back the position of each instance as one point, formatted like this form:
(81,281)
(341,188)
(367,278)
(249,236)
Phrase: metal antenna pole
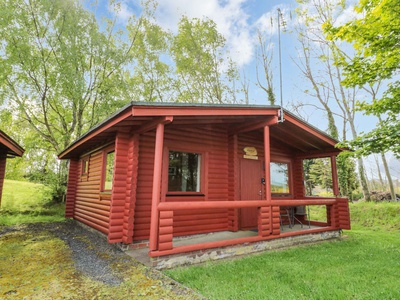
(280,62)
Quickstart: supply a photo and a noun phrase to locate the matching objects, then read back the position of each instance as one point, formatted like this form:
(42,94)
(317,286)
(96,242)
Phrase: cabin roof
(8,147)
(293,132)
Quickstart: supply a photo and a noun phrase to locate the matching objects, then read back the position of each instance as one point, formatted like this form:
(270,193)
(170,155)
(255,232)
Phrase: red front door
(251,188)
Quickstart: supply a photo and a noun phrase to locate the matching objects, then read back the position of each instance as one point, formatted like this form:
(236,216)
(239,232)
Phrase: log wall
(212,143)
(119,189)
(92,207)
(72,187)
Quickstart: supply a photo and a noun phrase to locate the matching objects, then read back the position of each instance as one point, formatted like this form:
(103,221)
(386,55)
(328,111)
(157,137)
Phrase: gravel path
(93,257)
(90,252)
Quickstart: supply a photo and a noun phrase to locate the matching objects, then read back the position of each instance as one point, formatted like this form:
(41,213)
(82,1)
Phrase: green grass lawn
(365,264)
(27,202)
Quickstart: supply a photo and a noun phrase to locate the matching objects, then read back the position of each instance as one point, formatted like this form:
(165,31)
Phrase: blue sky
(238,21)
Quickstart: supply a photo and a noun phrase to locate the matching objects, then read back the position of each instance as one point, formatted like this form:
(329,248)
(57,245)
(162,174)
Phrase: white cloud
(233,21)
(123,10)
(347,15)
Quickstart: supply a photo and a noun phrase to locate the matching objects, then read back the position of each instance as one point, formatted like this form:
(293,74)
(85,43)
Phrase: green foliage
(197,51)
(309,184)
(317,172)
(63,71)
(375,38)
(152,79)
(335,270)
(348,182)
(26,202)
(317,213)
(383,216)
(60,75)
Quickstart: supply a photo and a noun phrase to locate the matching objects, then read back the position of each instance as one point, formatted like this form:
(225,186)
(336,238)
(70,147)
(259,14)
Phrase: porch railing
(268,221)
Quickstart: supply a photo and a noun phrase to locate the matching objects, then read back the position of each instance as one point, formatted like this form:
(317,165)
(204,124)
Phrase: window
(85,166)
(184,172)
(279,178)
(109,171)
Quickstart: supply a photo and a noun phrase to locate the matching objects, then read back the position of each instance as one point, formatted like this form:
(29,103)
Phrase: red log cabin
(8,149)
(153,172)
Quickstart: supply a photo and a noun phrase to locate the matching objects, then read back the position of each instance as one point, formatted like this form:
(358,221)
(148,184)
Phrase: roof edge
(12,145)
(130,107)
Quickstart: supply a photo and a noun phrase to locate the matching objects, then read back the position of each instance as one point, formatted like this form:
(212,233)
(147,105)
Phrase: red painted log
(165,246)
(155,199)
(165,238)
(166,215)
(92,224)
(166,222)
(166,230)
(174,206)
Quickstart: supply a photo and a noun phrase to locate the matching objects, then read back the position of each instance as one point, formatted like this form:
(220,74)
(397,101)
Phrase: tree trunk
(379,172)
(363,179)
(389,177)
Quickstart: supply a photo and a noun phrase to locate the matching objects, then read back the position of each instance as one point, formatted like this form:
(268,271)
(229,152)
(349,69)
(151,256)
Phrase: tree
(59,72)
(348,181)
(264,58)
(204,74)
(318,63)
(375,38)
(152,79)
(317,172)
(308,181)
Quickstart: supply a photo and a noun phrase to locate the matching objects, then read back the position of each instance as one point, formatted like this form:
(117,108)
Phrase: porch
(304,236)
(271,233)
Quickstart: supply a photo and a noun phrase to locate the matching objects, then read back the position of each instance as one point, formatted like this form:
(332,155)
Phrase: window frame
(107,151)
(203,170)
(84,171)
(288,162)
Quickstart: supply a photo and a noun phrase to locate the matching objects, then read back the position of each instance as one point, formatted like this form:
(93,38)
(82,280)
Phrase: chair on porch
(303,213)
(286,214)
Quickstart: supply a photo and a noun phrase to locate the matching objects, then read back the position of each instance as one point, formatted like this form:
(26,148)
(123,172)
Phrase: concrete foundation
(201,256)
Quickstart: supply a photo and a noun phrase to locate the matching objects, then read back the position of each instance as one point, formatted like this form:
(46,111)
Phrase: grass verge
(364,265)
(27,202)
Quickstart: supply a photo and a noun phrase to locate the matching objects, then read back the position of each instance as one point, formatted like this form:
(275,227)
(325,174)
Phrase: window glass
(108,178)
(184,172)
(85,166)
(279,178)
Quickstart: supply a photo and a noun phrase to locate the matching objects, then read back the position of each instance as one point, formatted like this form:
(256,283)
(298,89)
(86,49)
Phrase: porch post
(335,183)
(267,161)
(267,212)
(156,193)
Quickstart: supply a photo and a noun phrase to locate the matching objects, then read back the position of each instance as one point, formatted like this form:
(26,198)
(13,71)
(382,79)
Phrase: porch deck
(229,235)
(231,251)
